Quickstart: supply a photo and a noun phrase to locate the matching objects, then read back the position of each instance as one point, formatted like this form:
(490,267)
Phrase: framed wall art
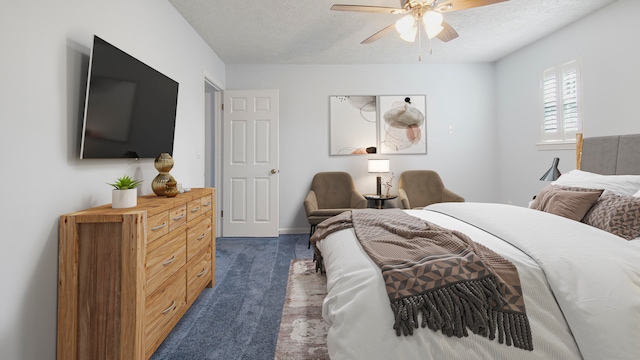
(352,125)
(385,124)
(402,124)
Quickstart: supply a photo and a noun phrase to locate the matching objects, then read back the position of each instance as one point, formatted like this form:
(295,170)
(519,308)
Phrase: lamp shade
(553,173)
(410,36)
(405,24)
(406,27)
(432,22)
(378,165)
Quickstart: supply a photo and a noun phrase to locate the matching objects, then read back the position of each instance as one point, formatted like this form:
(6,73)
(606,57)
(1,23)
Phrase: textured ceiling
(307,32)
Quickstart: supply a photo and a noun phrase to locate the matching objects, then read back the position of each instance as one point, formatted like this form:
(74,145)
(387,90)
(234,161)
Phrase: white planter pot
(121,199)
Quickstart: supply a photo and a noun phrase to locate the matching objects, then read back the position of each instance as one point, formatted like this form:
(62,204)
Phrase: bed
(580,281)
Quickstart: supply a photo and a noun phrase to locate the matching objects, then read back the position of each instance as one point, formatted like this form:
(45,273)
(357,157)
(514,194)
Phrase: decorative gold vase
(171,189)
(164,164)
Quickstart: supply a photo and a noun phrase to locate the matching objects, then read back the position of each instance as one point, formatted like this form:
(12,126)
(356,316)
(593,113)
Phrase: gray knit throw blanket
(439,276)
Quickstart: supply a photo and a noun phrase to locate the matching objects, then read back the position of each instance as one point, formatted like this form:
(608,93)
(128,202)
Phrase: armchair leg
(311,231)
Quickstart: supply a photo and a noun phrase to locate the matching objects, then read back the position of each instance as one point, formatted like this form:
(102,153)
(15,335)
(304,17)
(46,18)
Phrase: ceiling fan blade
(455,5)
(447,33)
(379,34)
(364,8)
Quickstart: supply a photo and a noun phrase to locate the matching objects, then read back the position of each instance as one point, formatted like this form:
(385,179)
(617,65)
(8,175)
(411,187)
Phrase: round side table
(379,199)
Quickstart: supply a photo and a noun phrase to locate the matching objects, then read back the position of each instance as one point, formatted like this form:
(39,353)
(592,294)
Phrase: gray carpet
(239,317)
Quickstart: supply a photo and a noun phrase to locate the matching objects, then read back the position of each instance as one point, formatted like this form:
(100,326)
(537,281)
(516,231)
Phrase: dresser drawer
(198,237)
(157,225)
(194,209)
(177,217)
(165,260)
(164,307)
(207,203)
(198,274)
(198,207)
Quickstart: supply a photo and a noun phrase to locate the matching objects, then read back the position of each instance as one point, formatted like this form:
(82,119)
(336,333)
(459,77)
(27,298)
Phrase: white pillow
(619,184)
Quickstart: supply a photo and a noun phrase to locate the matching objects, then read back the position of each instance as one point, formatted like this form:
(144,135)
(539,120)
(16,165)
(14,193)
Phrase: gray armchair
(419,188)
(330,194)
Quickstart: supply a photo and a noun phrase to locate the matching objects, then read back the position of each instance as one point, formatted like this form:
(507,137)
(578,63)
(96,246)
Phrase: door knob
(274,171)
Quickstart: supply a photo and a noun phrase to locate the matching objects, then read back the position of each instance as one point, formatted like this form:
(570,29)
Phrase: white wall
(45,49)
(606,42)
(457,95)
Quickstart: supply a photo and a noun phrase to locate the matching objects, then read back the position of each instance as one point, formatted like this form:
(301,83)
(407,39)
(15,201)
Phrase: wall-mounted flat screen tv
(130,108)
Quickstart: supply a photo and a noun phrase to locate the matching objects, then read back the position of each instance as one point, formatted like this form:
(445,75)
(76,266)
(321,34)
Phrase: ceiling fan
(427,12)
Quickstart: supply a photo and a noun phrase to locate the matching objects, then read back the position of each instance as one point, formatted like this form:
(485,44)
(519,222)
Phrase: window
(560,98)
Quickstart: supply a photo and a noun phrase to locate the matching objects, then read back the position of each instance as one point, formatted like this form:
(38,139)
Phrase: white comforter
(581,288)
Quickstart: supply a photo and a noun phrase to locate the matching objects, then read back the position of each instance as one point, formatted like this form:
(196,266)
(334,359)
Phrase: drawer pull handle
(173,258)
(201,237)
(196,209)
(178,217)
(206,205)
(201,272)
(173,305)
(155,228)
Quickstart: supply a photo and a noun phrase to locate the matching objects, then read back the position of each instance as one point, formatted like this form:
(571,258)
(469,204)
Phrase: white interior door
(250,163)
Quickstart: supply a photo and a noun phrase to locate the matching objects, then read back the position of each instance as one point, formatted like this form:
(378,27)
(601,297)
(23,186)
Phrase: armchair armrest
(404,199)
(310,203)
(450,196)
(358,201)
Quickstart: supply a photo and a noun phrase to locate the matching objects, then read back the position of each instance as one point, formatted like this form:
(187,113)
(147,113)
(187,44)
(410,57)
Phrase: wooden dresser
(126,276)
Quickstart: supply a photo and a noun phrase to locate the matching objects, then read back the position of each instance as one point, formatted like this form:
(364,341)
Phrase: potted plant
(124,193)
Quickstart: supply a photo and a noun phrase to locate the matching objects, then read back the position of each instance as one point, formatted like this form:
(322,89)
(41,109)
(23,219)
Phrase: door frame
(213,123)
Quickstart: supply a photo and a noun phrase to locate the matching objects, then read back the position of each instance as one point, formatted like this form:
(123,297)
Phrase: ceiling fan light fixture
(410,36)
(433,31)
(432,22)
(432,18)
(405,24)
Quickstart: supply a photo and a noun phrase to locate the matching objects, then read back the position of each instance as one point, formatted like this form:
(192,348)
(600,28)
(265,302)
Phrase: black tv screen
(130,108)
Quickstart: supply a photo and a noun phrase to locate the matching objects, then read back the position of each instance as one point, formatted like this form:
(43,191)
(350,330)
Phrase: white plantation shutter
(560,93)
(550,91)
(571,118)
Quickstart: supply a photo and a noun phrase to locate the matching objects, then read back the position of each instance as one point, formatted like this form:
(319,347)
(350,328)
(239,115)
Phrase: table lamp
(553,173)
(378,166)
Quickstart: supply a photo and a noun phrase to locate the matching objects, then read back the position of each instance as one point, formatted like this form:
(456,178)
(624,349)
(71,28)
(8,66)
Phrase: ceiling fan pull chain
(419,45)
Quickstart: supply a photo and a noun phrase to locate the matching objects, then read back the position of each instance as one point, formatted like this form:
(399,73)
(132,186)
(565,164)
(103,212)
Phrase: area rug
(303,332)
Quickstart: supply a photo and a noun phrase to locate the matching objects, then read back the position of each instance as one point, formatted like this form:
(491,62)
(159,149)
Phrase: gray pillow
(570,202)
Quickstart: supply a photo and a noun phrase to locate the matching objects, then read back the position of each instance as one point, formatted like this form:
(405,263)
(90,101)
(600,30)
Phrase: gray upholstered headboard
(611,155)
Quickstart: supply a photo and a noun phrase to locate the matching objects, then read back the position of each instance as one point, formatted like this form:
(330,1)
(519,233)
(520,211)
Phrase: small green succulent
(125,182)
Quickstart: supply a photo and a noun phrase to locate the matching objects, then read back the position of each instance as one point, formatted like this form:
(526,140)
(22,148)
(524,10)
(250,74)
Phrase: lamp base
(378,185)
